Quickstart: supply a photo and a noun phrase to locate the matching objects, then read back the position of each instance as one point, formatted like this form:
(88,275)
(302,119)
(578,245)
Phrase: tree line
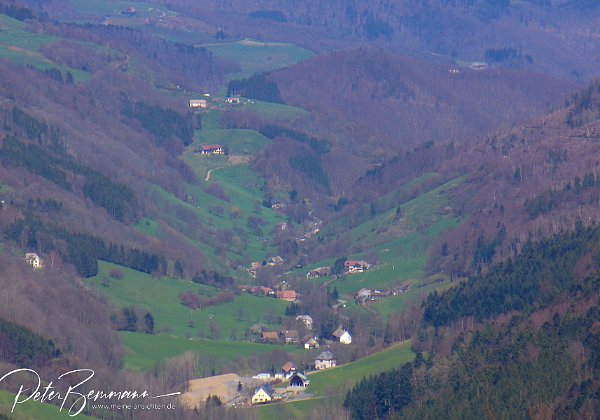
(81,249)
(25,348)
(163,123)
(537,277)
(257,86)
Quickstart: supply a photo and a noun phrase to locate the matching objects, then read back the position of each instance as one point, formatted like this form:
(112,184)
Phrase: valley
(258,191)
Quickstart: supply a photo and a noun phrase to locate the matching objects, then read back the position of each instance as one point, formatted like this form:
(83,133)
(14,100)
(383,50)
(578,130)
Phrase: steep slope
(519,342)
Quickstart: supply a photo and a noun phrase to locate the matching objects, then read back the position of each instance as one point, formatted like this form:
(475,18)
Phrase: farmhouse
(318,272)
(298,381)
(288,369)
(212,149)
(34,260)
(263,394)
(277,260)
(311,343)
(290,336)
(198,103)
(352,266)
(343,336)
(287,295)
(325,360)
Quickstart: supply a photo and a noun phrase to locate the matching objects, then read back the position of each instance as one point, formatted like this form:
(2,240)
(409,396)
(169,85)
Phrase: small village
(289,383)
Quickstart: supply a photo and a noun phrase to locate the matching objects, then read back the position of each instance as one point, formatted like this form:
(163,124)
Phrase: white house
(343,336)
(325,360)
(198,103)
(263,394)
(311,343)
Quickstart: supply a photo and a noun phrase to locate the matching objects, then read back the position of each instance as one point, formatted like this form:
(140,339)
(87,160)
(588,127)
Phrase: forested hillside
(189,189)
(555,36)
(518,348)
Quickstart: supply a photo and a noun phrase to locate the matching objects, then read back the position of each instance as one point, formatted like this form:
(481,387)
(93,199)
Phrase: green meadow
(255,56)
(148,227)
(20,46)
(272,110)
(143,351)
(243,199)
(111,10)
(401,247)
(161,297)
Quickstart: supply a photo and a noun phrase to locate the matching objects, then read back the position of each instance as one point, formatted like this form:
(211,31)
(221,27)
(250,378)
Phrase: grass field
(161,298)
(337,381)
(32,410)
(239,141)
(23,47)
(273,110)
(400,245)
(148,227)
(254,57)
(111,11)
(143,351)
(243,187)
(247,244)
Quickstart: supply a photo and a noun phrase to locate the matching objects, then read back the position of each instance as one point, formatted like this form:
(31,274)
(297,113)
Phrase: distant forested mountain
(538,34)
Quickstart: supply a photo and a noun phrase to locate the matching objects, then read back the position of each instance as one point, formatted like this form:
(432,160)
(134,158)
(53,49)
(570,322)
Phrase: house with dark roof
(325,360)
(263,394)
(298,381)
(289,336)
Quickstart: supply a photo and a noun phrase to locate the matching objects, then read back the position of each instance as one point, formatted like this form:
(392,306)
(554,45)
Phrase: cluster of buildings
(275,261)
(350,267)
(211,149)
(353,266)
(367,295)
(308,342)
(297,381)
